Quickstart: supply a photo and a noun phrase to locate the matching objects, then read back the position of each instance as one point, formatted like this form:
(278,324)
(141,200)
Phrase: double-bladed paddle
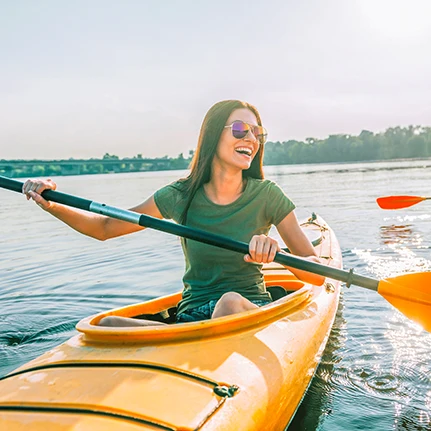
(409,293)
(398,202)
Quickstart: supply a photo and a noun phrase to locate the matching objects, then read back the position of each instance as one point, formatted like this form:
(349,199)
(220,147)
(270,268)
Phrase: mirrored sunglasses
(240,130)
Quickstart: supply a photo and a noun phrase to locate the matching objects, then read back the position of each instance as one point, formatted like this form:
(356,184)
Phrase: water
(375,373)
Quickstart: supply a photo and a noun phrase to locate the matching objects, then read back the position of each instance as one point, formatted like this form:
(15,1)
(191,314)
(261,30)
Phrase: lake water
(376,370)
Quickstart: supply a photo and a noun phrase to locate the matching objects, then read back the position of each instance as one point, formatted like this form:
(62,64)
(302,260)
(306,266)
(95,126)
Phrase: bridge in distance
(78,166)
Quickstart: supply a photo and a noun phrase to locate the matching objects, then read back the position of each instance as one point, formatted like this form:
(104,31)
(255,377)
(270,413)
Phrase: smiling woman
(225,193)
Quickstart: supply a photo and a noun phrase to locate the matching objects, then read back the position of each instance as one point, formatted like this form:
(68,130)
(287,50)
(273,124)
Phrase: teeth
(244,150)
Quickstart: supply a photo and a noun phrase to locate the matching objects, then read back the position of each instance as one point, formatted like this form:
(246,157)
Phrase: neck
(224,187)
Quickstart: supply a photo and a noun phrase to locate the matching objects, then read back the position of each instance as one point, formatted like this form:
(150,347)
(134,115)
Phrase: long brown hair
(209,137)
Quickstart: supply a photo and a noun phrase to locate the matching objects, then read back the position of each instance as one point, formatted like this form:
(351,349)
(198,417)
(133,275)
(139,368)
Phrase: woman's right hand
(34,188)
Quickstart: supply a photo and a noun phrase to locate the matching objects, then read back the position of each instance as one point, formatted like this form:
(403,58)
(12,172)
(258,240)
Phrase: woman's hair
(209,137)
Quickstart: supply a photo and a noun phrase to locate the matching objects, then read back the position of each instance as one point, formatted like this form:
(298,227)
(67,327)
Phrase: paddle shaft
(193,234)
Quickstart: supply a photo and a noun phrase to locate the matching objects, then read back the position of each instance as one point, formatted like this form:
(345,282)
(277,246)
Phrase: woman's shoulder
(175,187)
(170,199)
(261,183)
(268,188)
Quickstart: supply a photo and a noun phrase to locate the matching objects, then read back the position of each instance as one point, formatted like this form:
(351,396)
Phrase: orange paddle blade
(397,202)
(410,294)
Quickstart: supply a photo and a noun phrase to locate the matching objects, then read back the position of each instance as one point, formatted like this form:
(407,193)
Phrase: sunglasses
(241,129)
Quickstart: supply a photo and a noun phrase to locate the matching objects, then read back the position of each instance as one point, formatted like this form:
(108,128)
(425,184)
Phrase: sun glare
(408,20)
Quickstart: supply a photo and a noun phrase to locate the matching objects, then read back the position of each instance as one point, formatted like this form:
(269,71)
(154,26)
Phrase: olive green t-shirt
(212,271)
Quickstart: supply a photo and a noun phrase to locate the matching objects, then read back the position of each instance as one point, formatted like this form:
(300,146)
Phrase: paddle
(398,202)
(410,293)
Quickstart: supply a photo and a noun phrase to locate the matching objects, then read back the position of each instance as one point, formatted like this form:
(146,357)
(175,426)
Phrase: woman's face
(233,152)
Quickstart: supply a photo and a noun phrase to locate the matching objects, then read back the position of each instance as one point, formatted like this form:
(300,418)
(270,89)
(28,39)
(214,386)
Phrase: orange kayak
(247,371)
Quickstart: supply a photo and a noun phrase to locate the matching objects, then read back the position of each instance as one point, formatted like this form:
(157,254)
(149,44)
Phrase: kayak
(247,371)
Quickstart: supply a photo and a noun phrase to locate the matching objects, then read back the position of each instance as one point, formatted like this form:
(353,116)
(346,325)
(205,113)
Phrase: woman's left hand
(261,249)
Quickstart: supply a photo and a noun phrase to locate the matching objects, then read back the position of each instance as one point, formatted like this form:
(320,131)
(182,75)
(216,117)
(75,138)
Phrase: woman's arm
(298,243)
(90,224)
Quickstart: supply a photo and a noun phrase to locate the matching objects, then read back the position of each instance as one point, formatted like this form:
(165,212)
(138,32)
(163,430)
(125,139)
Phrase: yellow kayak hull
(247,371)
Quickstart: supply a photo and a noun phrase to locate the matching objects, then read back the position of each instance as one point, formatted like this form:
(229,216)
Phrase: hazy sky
(84,77)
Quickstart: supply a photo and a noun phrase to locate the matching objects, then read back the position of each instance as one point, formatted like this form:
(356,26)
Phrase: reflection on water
(389,263)
(402,240)
(404,248)
(393,234)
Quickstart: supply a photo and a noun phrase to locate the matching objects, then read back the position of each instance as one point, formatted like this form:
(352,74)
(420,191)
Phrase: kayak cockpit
(290,295)
(169,315)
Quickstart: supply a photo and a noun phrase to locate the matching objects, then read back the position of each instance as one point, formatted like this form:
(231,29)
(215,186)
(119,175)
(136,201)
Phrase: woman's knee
(229,303)
(231,299)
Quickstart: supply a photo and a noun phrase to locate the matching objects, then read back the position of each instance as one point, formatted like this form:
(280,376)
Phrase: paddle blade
(398,202)
(410,294)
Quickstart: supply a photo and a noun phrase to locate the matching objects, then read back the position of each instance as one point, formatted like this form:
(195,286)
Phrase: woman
(225,193)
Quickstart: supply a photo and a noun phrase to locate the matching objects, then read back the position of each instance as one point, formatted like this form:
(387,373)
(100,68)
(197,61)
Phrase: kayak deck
(246,371)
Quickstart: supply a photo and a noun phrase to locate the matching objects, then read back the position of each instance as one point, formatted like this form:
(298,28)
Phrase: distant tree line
(394,143)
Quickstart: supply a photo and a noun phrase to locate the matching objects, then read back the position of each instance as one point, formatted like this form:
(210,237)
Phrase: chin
(244,166)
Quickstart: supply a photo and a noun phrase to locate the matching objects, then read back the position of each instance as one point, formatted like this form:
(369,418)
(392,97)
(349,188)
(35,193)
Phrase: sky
(84,78)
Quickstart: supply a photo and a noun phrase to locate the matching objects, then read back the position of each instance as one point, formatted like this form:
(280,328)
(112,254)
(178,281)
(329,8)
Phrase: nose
(250,136)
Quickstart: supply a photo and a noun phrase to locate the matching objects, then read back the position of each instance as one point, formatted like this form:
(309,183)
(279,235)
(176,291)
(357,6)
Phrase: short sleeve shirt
(212,271)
